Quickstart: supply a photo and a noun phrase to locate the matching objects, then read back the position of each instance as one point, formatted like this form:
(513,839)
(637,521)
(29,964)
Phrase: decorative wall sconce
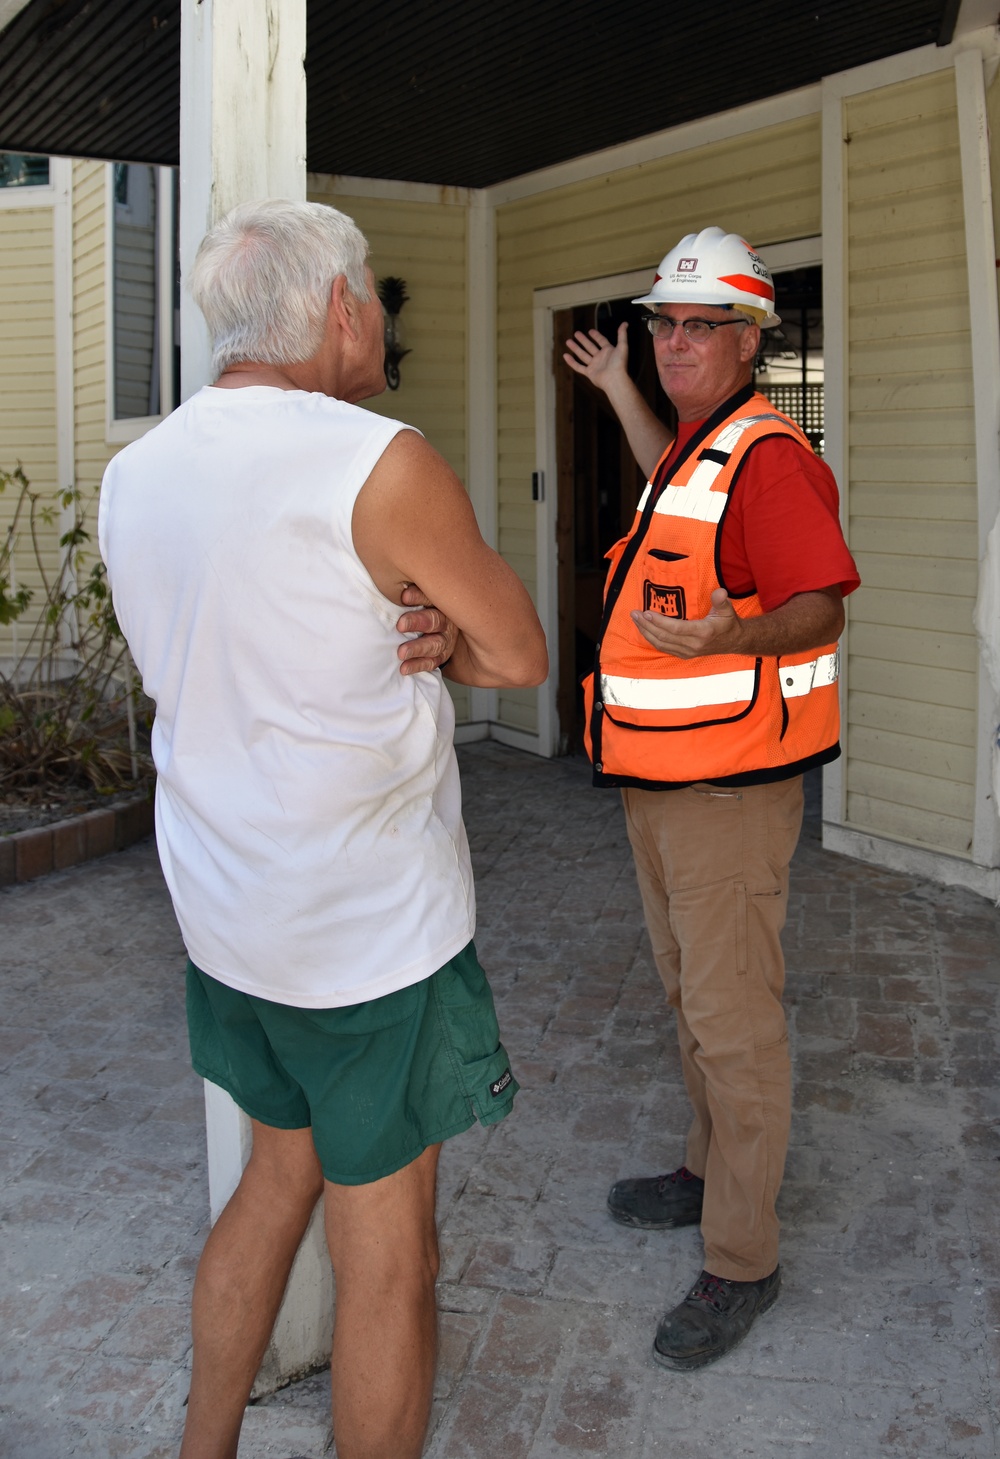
(392,293)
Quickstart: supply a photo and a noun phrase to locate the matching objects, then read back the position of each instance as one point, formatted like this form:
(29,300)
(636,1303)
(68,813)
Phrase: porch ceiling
(463,92)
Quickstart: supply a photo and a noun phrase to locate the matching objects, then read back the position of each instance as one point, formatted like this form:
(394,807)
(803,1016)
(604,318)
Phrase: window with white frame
(23,169)
(142,298)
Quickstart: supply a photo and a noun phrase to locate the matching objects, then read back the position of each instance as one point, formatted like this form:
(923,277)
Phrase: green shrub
(71,716)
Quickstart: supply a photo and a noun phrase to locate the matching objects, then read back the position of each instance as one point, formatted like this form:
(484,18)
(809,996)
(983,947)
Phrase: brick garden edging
(28,854)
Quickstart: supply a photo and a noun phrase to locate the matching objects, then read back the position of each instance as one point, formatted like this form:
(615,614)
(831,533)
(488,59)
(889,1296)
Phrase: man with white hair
(260,543)
(714,688)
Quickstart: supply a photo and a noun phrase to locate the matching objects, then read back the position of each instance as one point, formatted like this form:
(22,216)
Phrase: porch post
(243,136)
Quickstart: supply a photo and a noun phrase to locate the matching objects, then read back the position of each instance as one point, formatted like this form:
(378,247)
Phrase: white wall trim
(343,185)
(119,431)
(505,734)
(166,264)
(472,731)
(546,302)
(481,391)
(61,171)
(41,196)
(909,65)
(835,339)
(789,106)
(974,143)
(936,866)
(798,253)
(61,174)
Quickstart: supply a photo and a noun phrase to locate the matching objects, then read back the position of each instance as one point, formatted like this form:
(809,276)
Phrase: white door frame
(800,253)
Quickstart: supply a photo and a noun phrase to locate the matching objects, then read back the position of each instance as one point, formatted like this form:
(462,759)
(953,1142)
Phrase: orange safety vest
(656,721)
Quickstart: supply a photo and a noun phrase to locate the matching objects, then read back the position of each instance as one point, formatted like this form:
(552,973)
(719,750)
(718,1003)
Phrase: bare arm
(807,620)
(413,524)
(605,365)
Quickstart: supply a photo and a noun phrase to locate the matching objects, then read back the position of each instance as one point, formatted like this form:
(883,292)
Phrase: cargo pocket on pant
(490,1086)
(469,1029)
(764,1011)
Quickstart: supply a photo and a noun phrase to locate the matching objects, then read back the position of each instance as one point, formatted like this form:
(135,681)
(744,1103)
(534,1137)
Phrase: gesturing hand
(437,634)
(596,358)
(720,632)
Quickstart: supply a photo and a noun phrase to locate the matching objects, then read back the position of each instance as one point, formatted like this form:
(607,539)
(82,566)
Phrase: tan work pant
(713,872)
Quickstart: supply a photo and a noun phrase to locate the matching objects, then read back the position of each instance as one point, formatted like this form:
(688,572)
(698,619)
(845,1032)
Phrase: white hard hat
(712,267)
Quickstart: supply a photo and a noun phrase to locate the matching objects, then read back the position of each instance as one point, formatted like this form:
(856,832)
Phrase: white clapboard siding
(765,185)
(135,311)
(913,660)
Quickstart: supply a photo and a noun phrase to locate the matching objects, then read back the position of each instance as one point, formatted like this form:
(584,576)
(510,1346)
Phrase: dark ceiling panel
(463,92)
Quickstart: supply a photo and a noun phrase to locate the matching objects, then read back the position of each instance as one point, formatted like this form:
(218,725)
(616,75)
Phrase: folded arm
(414,529)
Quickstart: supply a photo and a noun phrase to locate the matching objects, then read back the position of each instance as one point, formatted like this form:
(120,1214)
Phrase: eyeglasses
(661,326)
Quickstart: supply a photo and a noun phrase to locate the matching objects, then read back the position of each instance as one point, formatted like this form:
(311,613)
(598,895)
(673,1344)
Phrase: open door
(599,485)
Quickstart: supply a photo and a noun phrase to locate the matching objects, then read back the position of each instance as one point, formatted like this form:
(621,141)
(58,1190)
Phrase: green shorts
(377,1082)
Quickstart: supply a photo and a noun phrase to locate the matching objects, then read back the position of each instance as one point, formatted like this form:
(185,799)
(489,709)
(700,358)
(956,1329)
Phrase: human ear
(343,306)
(749,343)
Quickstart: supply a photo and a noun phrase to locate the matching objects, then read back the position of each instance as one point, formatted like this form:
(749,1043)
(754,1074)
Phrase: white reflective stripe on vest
(726,440)
(696,500)
(798,679)
(734,688)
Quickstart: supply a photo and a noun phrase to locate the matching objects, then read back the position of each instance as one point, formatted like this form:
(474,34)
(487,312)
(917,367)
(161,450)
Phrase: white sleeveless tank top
(308,808)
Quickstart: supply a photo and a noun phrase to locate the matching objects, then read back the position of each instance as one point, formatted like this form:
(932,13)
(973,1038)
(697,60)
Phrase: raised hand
(594,356)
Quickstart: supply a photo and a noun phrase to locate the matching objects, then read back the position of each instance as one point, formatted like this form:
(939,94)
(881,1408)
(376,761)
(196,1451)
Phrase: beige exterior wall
(423,242)
(765,185)
(27,377)
(912,670)
(90,343)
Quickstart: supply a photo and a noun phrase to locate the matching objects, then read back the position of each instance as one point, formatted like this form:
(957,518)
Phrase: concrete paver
(886,1339)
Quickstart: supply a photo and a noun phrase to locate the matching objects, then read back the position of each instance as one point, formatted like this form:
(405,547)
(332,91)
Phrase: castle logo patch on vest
(668,601)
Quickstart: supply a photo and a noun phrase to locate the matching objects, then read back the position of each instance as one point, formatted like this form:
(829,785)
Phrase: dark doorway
(790,369)
(599,483)
(599,487)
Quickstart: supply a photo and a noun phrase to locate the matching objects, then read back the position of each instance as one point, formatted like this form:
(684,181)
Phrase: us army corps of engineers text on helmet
(716,268)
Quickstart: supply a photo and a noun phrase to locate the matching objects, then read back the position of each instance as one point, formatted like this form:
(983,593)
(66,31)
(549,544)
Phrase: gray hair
(262,278)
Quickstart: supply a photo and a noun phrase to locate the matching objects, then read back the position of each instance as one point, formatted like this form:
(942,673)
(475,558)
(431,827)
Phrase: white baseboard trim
(468,734)
(950,871)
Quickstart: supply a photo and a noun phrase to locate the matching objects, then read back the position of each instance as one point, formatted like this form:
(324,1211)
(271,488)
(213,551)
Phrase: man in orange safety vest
(714,688)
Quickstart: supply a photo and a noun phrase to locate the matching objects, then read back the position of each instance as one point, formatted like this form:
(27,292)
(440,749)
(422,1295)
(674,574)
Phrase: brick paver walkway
(886,1339)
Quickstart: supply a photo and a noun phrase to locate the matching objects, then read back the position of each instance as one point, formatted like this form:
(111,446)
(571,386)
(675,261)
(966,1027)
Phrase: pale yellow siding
(90,343)
(911,720)
(423,243)
(27,380)
(765,185)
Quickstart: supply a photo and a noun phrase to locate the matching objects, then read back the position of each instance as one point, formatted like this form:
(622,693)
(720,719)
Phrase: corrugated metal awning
(460,92)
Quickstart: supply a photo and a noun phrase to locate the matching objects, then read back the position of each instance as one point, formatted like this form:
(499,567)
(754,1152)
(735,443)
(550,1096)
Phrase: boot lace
(712,1290)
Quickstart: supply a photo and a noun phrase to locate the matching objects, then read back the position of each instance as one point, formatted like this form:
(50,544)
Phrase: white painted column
(481,390)
(835,390)
(974,144)
(243,136)
(243,128)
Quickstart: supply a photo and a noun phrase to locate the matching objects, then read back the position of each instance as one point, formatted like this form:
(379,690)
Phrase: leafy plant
(68,702)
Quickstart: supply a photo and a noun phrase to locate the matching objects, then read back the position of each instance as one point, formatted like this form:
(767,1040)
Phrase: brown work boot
(658,1202)
(715,1315)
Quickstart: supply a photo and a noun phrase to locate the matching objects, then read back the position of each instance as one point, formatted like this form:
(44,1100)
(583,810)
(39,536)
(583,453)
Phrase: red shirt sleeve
(781,533)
